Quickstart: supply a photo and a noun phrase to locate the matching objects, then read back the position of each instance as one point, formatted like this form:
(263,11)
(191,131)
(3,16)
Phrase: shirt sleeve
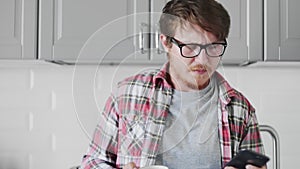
(102,151)
(251,138)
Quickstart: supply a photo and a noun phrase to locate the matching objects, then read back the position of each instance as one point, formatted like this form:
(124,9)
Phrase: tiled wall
(48,112)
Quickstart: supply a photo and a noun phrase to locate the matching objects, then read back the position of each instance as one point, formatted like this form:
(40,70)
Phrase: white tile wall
(48,112)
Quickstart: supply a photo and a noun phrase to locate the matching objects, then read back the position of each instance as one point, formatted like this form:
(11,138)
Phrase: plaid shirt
(133,120)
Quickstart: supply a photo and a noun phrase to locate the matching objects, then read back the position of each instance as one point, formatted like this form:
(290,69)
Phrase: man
(185,115)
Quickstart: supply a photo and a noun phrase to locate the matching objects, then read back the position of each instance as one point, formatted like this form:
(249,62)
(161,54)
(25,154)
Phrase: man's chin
(200,76)
(200,81)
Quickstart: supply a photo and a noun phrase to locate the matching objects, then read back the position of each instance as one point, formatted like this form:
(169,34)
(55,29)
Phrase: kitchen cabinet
(245,40)
(128,32)
(282,35)
(91,31)
(18,29)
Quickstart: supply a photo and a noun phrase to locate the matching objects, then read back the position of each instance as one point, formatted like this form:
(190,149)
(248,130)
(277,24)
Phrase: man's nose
(202,57)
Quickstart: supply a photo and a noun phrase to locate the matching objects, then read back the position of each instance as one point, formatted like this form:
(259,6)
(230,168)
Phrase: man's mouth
(199,70)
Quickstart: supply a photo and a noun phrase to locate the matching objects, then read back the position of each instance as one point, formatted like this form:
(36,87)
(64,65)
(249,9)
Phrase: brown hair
(208,14)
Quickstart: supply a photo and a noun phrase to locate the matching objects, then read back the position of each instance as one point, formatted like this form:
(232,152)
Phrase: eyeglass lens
(191,50)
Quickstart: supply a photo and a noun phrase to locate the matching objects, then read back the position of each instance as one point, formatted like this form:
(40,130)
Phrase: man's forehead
(191,31)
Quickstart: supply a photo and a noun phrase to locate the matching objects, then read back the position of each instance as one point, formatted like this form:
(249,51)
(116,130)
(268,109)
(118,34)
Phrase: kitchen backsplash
(48,112)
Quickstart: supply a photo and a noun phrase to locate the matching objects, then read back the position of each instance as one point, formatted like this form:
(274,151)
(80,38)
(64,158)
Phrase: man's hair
(208,14)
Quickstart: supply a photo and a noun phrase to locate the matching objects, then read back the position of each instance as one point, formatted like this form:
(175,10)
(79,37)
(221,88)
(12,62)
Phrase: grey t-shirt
(190,139)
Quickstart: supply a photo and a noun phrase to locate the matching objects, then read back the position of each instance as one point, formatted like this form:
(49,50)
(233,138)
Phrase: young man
(185,115)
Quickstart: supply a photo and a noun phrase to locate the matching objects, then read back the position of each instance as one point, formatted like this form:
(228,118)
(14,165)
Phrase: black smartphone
(245,157)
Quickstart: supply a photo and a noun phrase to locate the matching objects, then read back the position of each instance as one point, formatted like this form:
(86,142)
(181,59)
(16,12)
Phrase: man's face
(189,74)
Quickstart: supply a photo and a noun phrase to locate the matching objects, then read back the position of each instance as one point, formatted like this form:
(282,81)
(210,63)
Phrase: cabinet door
(92,30)
(17,30)
(245,41)
(282,30)
(157,54)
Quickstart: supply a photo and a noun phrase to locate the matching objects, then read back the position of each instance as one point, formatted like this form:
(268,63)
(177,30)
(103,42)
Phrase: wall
(48,111)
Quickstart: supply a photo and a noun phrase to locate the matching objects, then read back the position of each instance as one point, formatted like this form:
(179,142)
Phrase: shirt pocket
(132,135)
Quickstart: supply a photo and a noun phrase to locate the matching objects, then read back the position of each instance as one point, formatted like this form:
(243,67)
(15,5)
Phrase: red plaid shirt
(133,120)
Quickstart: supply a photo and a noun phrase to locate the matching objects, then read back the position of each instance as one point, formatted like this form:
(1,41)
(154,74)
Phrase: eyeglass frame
(181,45)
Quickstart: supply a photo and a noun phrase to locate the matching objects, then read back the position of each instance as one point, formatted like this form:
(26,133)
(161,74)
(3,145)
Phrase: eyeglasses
(191,50)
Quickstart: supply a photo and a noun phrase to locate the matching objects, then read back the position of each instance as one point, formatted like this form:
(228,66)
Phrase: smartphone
(245,157)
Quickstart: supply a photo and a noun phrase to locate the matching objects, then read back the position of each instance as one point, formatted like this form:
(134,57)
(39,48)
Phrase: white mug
(154,167)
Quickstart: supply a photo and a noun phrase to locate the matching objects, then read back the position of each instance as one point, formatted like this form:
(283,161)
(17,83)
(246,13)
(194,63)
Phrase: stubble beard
(188,81)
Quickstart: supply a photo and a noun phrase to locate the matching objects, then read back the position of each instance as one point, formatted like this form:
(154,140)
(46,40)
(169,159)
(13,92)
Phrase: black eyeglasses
(191,50)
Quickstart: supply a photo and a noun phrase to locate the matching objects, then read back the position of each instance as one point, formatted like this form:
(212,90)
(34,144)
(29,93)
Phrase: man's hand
(253,167)
(130,165)
(247,167)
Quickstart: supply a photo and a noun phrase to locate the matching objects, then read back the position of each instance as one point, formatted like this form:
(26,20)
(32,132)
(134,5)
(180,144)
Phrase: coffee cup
(154,167)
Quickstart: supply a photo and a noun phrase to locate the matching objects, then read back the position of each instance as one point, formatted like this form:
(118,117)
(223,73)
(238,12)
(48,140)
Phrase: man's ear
(164,42)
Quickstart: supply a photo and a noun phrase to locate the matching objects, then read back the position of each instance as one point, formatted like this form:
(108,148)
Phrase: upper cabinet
(90,31)
(95,31)
(18,29)
(246,32)
(245,40)
(282,30)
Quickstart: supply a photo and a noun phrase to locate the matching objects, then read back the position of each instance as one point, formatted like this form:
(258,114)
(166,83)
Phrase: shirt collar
(226,91)
(162,77)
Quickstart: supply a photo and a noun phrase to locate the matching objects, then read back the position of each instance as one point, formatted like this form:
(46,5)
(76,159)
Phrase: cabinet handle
(141,37)
(158,51)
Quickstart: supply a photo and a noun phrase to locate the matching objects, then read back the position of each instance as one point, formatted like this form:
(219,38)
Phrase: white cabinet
(115,31)
(94,31)
(156,54)
(282,30)
(18,29)
(245,41)
(128,32)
